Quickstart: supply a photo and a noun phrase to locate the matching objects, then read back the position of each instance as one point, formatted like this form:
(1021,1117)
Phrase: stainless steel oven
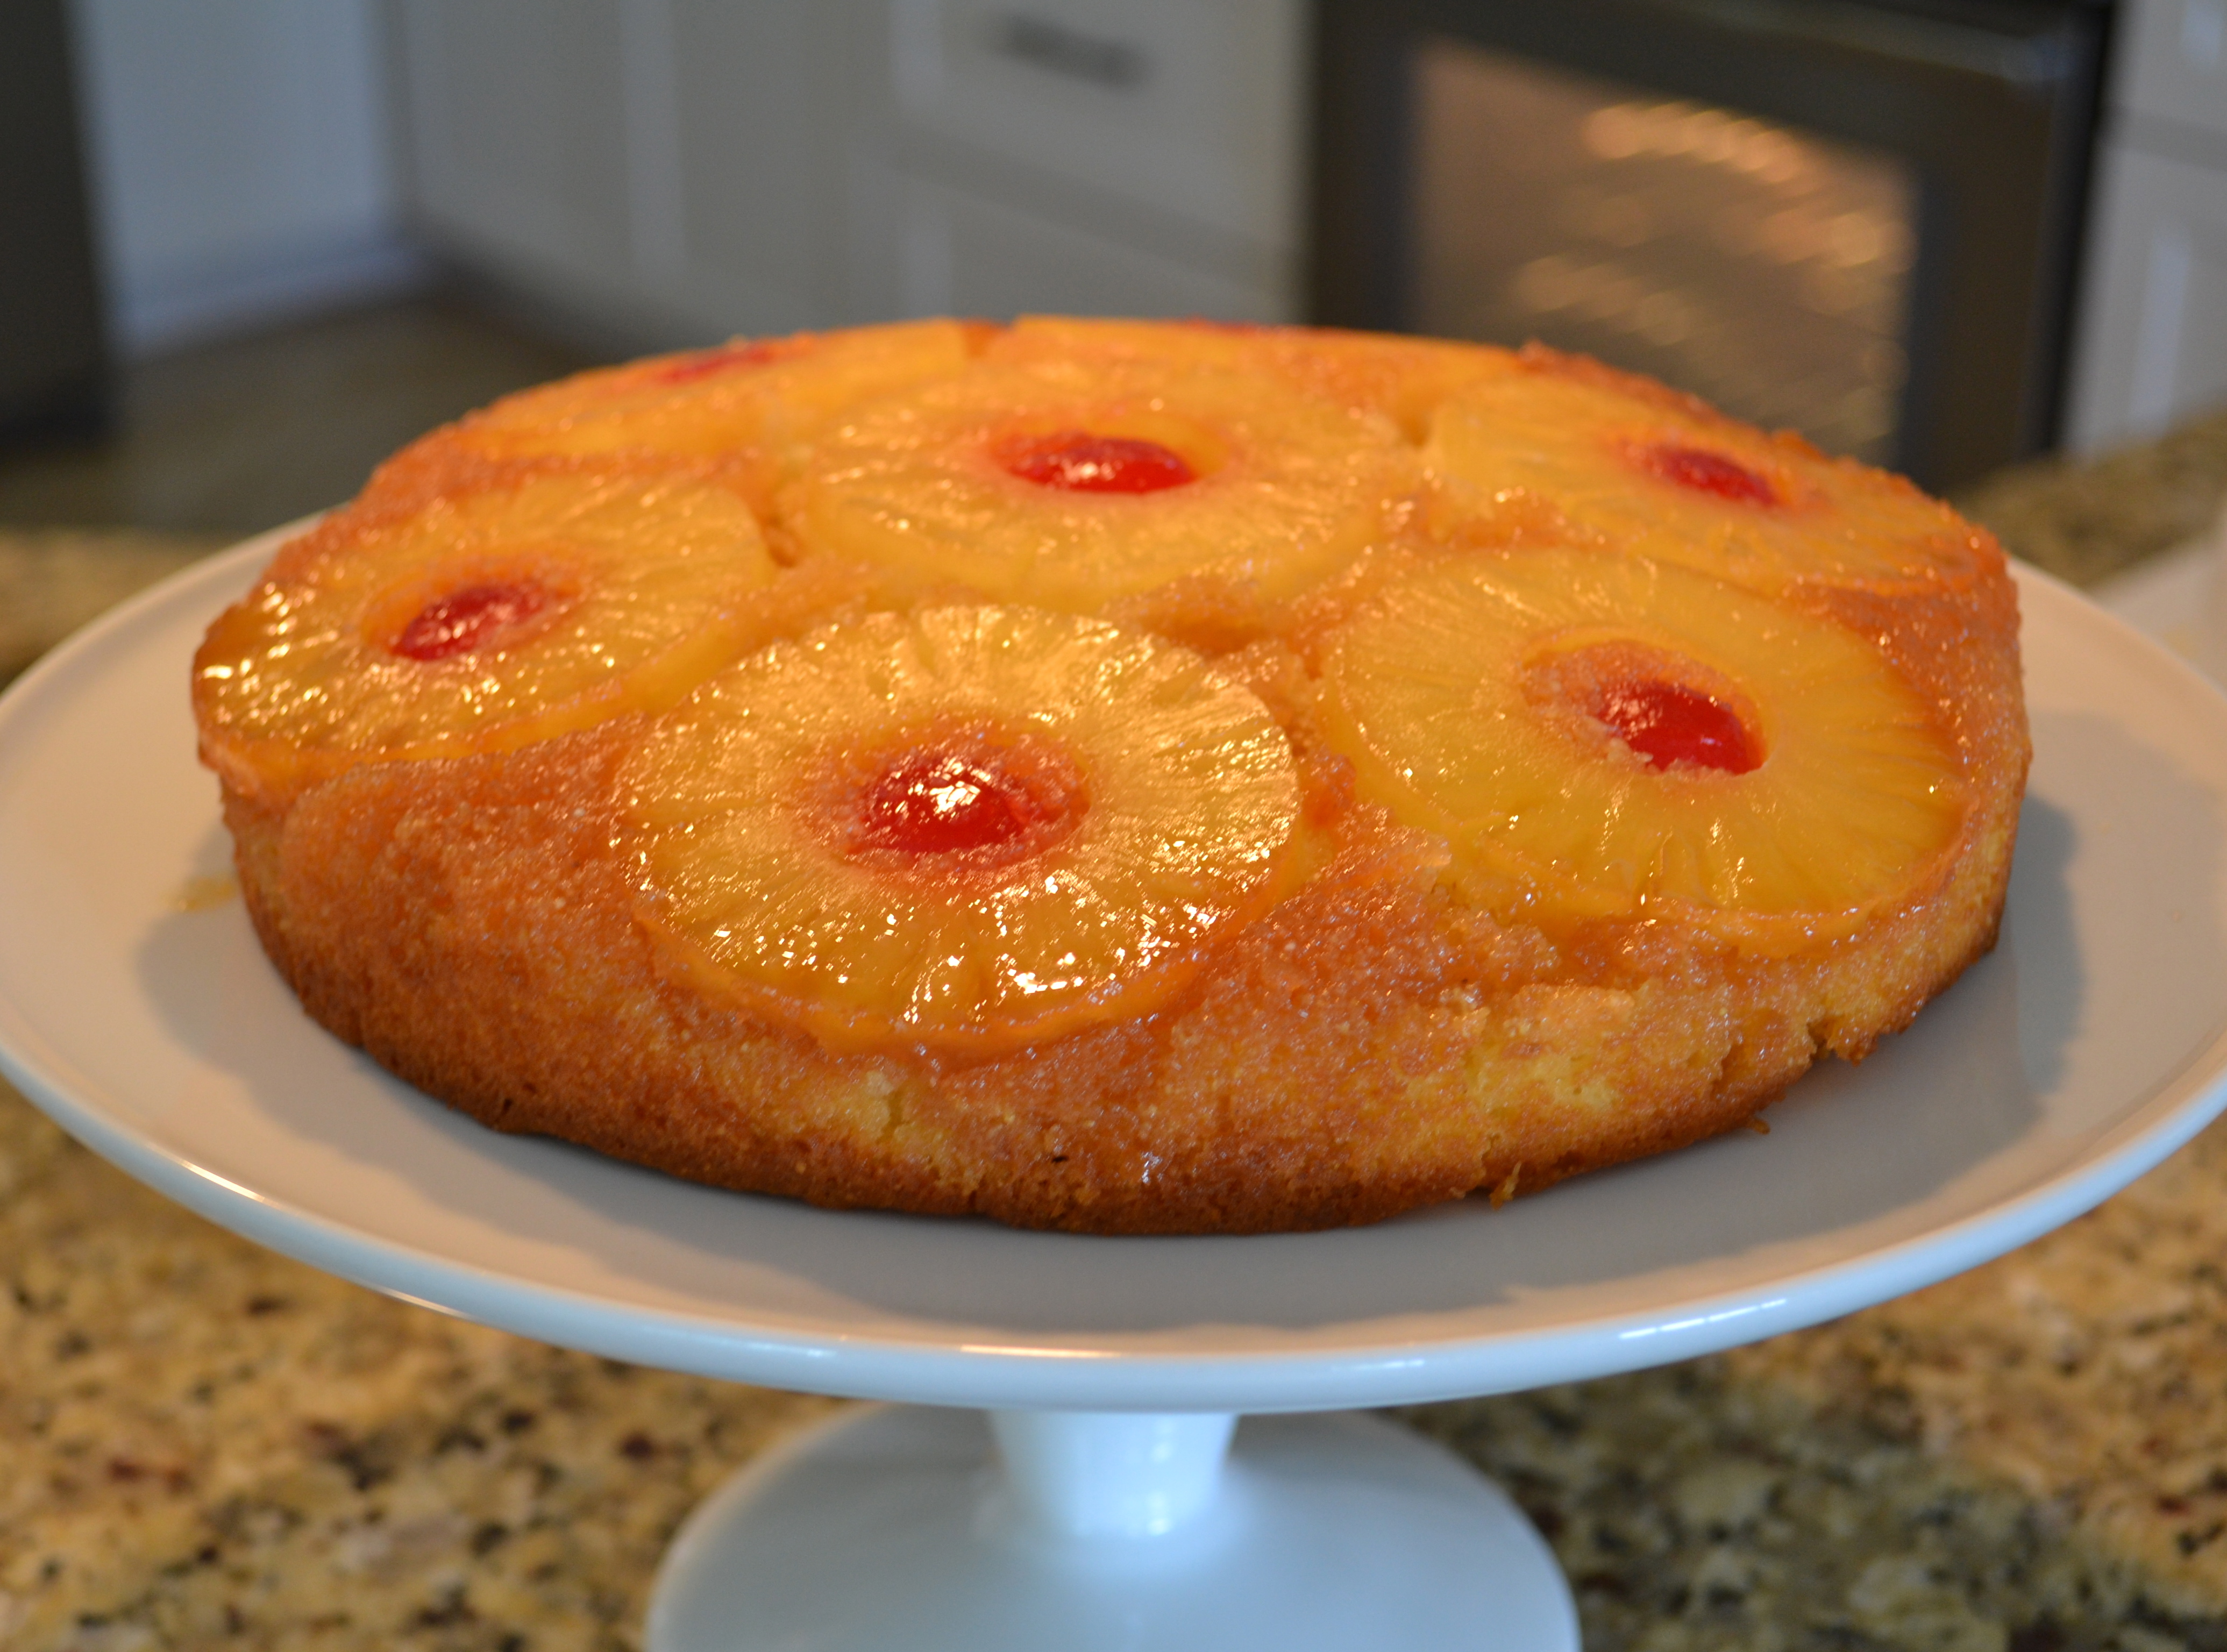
(1856,218)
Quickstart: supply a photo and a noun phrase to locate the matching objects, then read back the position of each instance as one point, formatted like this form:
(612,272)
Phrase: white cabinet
(515,109)
(2150,348)
(2156,348)
(1134,157)
(751,161)
(1184,109)
(680,169)
(923,247)
(239,159)
(2173,61)
(661,169)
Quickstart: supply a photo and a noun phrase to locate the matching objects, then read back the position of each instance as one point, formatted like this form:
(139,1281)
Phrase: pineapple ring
(1402,378)
(1151,802)
(1661,478)
(631,591)
(707,404)
(1286,487)
(1470,698)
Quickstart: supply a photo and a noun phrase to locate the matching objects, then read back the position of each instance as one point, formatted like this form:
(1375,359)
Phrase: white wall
(240,161)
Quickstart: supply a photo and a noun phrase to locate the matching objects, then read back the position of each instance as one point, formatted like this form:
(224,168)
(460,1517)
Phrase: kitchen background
(441,200)
(252,246)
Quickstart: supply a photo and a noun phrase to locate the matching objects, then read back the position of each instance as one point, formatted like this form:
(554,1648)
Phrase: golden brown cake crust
(469,927)
(1386,1035)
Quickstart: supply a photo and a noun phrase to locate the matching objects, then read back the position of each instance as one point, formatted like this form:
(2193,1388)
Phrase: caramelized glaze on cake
(1123,776)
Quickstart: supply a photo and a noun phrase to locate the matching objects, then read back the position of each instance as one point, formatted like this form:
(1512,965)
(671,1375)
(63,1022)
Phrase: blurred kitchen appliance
(1859,219)
(53,356)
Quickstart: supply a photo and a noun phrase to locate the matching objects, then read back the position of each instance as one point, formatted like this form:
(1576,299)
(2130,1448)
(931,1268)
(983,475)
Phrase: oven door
(1859,220)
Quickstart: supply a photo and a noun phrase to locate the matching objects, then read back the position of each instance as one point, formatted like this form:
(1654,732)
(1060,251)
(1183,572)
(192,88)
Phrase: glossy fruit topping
(1774,778)
(557,602)
(733,404)
(963,829)
(466,620)
(1074,484)
(1709,473)
(930,802)
(1083,463)
(1667,723)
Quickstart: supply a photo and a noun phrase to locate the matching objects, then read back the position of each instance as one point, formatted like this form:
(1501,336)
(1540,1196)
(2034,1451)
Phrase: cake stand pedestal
(1094,1506)
(935,1529)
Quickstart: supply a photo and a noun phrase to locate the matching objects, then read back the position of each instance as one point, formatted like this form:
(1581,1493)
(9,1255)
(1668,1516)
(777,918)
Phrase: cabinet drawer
(1190,108)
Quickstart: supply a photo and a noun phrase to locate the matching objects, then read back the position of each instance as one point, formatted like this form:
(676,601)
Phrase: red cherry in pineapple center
(1666,723)
(1711,473)
(1081,463)
(466,619)
(928,802)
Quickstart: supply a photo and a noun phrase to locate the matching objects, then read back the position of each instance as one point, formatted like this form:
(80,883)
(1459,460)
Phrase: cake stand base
(1016,1531)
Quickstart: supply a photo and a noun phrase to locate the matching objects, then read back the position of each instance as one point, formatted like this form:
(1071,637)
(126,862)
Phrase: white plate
(2085,1049)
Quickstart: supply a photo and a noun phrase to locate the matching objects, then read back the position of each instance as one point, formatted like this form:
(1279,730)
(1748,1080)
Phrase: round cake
(1121,776)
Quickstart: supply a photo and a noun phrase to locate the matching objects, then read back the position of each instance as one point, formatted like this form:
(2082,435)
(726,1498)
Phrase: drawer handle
(1043,43)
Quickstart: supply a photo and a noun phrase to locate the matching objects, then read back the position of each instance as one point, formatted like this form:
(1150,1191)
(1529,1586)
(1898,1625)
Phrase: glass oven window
(1762,267)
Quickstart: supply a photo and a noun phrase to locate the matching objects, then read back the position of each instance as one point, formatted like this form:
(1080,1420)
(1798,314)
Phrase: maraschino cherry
(938,803)
(458,622)
(1710,473)
(1666,723)
(1083,463)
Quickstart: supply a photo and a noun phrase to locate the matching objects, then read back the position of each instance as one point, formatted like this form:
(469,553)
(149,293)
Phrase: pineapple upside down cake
(1121,776)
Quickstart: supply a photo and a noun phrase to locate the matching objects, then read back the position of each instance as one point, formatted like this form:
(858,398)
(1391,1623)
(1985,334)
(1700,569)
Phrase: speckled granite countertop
(204,1444)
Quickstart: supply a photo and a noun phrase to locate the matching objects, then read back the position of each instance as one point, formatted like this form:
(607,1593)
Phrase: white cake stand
(2084,1050)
